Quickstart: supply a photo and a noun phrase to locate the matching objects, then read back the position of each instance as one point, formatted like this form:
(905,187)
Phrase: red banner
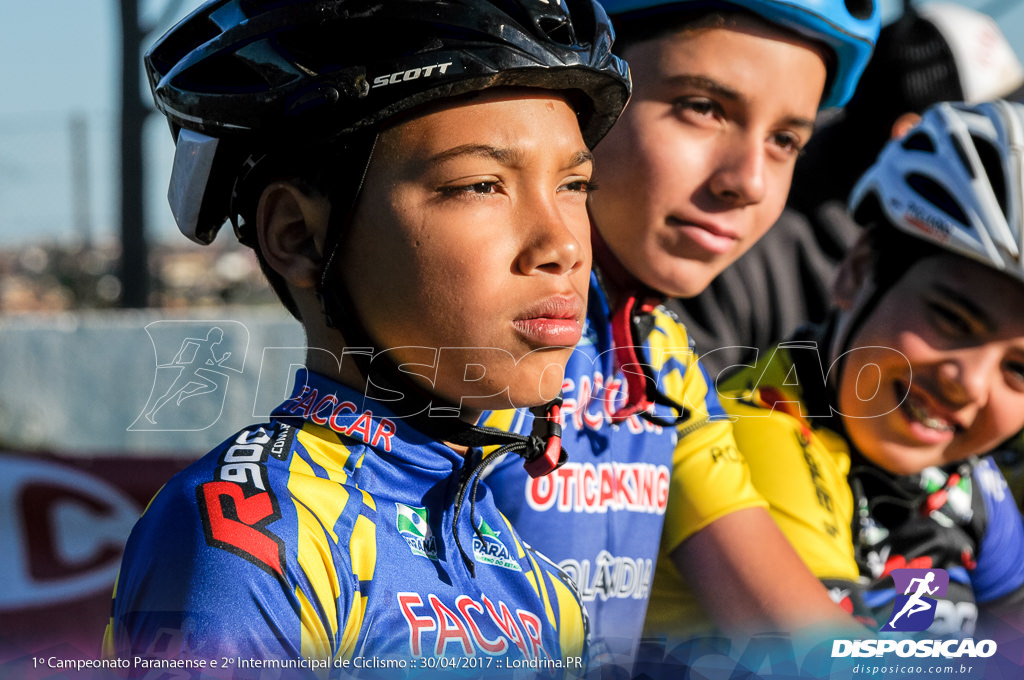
(63,524)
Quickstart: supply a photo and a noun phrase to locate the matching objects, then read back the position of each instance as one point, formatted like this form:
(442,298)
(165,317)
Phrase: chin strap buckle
(545,454)
(625,344)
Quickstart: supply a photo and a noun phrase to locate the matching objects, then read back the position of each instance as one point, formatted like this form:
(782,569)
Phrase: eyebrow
(980,315)
(712,86)
(509,156)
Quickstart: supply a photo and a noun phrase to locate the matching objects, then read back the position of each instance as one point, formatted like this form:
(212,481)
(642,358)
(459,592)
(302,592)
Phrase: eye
(1015,371)
(583,186)
(950,320)
(475,189)
(697,108)
(788,142)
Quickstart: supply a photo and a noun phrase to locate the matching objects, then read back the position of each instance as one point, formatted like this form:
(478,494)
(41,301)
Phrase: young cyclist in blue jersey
(867,435)
(413,176)
(725,94)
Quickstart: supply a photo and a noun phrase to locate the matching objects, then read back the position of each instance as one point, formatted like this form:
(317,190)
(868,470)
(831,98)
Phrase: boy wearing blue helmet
(698,167)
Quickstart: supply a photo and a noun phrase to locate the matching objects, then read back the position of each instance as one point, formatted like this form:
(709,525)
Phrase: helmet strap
(631,305)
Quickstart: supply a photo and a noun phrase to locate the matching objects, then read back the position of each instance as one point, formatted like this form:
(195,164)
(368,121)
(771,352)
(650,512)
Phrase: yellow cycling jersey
(799,470)
(709,478)
(798,466)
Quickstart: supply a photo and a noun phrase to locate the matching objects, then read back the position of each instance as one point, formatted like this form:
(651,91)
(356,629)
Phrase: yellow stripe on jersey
(685,383)
(535,575)
(536,578)
(315,639)
(520,552)
(318,505)
(327,450)
(363,553)
(570,628)
(668,341)
(107,646)
(501,420)
(325,499)
(354,623)
(668,338)
(153,498)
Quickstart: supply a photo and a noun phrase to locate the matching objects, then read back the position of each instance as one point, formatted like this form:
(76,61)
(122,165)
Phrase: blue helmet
(848,27)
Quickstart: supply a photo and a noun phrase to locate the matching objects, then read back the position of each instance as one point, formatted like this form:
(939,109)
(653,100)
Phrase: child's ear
(853,273)
(291,226)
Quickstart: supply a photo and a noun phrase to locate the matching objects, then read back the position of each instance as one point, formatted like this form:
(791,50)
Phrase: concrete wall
(84,384)
(97,411)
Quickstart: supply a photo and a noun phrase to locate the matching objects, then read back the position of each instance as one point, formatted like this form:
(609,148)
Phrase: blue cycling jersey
(327,534)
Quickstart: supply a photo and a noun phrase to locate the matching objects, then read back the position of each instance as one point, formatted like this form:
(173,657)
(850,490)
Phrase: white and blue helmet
(955,180)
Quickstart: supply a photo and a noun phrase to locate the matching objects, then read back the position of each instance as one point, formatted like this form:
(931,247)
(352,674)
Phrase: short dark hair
(638,27)
(651,24)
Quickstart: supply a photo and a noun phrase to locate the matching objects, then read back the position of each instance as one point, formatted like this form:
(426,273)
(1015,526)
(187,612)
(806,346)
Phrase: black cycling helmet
(242,75)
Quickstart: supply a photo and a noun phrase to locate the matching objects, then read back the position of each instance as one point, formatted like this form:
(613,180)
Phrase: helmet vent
(558,29)
(209,75)
(938,197)
(860,9)
(962,155)
(919,141)
(990,161)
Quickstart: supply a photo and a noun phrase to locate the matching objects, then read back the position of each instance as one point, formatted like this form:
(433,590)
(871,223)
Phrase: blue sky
(59,61)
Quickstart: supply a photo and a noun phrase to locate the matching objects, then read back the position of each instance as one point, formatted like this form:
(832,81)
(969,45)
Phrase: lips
(707,236)
(928,420)
(553,322)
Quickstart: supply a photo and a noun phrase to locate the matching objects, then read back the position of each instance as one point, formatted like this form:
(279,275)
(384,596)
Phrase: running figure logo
(197,372)
(914,610)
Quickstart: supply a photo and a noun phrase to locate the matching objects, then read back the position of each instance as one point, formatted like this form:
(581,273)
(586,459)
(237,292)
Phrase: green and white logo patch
(414,526)
(489,549)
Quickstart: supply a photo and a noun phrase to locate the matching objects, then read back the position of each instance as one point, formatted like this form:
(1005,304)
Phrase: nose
(739,177)
(555,235)
(968,378)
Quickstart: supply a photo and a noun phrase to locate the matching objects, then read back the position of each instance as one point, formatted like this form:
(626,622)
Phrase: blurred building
(57,278)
